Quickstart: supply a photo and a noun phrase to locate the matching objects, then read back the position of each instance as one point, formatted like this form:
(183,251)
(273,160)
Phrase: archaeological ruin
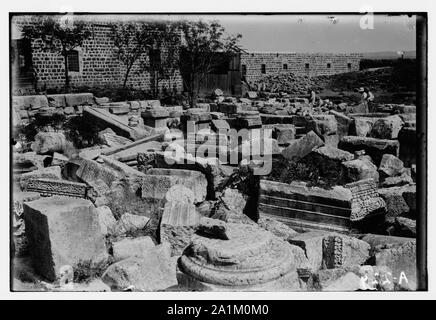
(280,179)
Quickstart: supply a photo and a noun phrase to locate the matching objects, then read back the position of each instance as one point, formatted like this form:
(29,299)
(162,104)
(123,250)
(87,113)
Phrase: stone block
(57,100)
(32,102)
(78,99)
(63,231)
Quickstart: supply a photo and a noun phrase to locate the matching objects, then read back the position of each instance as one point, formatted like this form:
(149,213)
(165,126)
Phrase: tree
(52,34)
(131,42)
(163,52)
(203,48)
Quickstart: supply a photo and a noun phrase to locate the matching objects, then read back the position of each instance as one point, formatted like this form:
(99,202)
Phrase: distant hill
(388,55)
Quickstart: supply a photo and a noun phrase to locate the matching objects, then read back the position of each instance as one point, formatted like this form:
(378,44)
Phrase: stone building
(93,64)
(254,65)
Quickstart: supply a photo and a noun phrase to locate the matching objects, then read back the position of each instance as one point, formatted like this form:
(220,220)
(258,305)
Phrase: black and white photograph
(218,152)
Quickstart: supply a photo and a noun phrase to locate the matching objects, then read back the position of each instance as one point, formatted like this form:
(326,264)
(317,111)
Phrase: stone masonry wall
(296,63)
(97,61)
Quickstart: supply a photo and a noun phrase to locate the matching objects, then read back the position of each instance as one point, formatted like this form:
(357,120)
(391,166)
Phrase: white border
(203,6)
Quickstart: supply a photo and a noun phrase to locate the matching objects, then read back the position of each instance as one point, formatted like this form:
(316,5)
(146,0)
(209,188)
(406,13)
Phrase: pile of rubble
(168,200)
(286,82)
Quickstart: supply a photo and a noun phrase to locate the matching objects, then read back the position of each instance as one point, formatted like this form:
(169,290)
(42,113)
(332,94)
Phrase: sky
(322,33)
(318,33)
(306,32)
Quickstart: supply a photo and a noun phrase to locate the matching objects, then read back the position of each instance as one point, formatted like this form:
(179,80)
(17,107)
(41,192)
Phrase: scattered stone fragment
(387,128)
(46,142)
(213,227)
(278,228)
(106,219)
(391,166)
(340,250)
(130,223)
(154,271)
(395,203)
(111,139)
(373,147)
(132,247)
(359,169)
(405,227)
(312,244)
(401,259)
(348,282)
(61,231)
(402,180)
(179,222)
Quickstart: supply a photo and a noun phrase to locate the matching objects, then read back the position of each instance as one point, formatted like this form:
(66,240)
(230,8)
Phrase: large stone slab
(299,148)
(63,231)
(114,122)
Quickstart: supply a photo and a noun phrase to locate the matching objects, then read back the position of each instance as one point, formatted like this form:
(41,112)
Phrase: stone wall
(98,65)
(311,64)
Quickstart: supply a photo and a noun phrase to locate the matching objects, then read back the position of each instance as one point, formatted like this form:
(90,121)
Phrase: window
(155,60)
(73,61)
(306,66)
(349,66)
(329,65)
(263,68)
(285,66)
